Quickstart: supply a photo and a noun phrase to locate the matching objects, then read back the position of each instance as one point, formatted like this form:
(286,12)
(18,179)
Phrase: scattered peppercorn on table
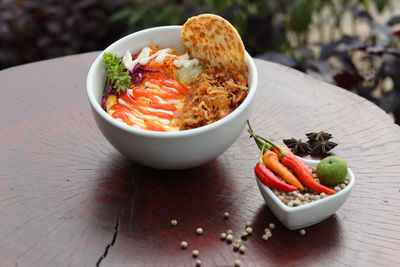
(69,199)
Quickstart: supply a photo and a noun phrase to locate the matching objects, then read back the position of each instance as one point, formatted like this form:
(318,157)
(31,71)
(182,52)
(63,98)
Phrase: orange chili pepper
(268,178)
(272,162)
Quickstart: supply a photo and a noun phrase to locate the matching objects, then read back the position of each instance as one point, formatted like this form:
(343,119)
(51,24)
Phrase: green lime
(332,170)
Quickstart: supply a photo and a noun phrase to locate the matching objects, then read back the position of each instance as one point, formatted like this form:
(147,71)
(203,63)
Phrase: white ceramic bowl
(308,214)
(165,150)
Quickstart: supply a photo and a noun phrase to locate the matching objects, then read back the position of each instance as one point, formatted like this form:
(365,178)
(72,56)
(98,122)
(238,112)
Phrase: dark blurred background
(351,43)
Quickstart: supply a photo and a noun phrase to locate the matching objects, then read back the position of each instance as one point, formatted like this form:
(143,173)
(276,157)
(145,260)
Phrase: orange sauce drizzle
(140,102)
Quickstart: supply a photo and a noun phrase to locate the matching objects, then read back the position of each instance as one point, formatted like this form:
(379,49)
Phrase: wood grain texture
(68,198)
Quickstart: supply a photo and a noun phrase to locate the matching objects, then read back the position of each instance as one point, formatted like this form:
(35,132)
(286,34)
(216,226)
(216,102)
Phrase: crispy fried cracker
(215,42)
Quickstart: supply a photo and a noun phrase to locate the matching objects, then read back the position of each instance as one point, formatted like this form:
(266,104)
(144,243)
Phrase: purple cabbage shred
(138,73)
(109,89)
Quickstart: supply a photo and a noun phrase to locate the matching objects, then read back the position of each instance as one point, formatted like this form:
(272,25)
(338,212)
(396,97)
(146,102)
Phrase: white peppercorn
(184,244)
(297,198)
(244,234)
(199,231)
(313,169)
(237,263)
(198,263)
(249,230)
(226,215)
(302,232)
(229,238)
(174,222)
(195,253)
(223,236)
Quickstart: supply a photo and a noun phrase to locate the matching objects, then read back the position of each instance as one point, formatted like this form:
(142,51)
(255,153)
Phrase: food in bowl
(166,150)
(166,90)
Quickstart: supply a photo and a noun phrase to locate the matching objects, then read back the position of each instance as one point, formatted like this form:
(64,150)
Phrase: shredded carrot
(154,48)
(167,66)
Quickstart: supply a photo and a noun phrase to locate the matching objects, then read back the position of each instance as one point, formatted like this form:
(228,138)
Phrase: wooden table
(68,198)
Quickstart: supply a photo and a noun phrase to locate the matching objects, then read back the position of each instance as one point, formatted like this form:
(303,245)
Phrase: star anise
(319,137)
(322,147)
(297,146)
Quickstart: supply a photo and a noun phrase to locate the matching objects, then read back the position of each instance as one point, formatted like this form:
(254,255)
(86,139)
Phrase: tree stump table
(68,198)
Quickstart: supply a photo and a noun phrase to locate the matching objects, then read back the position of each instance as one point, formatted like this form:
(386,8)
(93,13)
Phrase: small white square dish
(307,214)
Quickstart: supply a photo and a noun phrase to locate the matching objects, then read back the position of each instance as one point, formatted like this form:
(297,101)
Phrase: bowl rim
(310,205)
(253,75)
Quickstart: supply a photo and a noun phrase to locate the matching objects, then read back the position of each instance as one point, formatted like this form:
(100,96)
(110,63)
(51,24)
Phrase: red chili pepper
(303,173)
(268,178)
(289,152)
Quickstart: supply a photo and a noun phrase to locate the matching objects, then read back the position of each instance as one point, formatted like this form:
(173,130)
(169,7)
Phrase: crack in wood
(109,245)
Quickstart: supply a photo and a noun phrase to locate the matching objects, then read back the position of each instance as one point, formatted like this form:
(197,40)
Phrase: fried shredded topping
(213,96)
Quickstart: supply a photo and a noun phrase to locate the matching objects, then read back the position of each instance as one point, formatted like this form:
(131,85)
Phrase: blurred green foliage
(32,30)
(263,24)
(252,19)
(276,30)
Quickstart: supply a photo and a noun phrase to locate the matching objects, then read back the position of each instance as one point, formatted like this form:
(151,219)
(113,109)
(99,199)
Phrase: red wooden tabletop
(68,198)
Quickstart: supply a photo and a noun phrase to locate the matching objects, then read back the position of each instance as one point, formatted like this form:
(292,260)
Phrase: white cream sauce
(184,61)
(144,57)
